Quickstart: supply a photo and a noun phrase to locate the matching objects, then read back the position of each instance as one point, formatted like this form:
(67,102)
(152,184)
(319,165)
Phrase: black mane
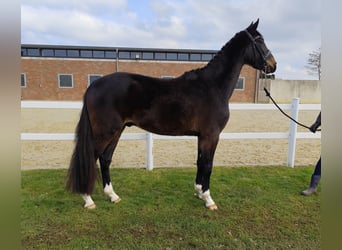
(223,59)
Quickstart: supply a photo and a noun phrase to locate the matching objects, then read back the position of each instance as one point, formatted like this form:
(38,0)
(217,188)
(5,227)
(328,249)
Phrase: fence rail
(292,135)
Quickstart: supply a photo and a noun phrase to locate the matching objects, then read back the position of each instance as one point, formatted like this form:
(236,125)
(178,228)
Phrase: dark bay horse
(195,103)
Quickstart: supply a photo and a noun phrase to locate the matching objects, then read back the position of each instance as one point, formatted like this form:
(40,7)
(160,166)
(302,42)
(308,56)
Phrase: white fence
(292,135)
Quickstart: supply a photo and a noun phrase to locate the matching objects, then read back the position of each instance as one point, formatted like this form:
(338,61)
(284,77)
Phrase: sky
(291,28)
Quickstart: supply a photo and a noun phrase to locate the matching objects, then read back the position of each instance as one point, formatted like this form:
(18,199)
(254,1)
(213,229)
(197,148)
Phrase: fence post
(149,151)
(292,133)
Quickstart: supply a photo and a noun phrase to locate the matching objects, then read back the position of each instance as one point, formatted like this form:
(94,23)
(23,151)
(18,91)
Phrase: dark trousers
(318,168)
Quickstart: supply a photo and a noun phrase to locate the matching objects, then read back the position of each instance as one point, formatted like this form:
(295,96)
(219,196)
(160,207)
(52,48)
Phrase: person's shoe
(313,185)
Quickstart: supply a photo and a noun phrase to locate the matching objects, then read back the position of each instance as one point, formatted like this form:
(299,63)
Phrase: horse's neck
(224,70)
(230,81)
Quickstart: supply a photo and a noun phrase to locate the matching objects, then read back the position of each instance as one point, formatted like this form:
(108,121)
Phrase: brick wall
(42,76)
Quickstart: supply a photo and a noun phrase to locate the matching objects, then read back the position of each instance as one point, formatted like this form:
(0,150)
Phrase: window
(195,57)
(65,80)
(72,53)
(60,52)
(183,56)
(135,55)
(33,52)
(207,57)
(160,56)
(240,84)
(23,52)
(98,53)
(93,77)
(86,53)
(23,80)
(124,55)
(171,56)
(110,54)
(47,52)
(147,55)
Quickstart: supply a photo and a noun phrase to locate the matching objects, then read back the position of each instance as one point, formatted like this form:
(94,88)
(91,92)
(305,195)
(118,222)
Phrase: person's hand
(314,127)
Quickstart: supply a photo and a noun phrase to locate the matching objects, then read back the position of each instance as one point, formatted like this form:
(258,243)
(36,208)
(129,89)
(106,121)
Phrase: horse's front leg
(206,150)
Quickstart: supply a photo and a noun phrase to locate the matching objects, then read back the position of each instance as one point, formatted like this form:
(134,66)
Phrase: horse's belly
(167,127)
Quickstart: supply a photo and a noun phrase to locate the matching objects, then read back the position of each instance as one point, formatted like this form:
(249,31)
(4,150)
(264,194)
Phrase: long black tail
(82,172)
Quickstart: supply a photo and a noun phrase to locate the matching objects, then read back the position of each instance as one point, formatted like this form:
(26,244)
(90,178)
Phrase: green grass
(259,208)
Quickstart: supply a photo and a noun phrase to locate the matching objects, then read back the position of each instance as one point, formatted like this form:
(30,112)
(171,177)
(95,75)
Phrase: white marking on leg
(209,202)
(108,190)
(207,198)
(89,203)
(198,189)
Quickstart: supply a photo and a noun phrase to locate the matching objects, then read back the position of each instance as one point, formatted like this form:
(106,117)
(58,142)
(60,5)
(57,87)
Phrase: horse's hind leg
(206,150)
(88,201)
(104,148)
(105,160)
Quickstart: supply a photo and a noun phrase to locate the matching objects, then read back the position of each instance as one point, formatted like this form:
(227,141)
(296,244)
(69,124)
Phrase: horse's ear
(250,26)
(253,26)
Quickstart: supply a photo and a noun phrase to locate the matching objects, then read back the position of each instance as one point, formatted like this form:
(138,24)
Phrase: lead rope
(282,111)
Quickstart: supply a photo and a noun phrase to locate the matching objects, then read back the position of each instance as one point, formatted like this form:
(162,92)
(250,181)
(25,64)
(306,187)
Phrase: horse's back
(120,92)
(121,82)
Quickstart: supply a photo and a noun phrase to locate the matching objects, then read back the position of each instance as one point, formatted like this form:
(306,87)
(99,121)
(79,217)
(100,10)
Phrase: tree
(314,63)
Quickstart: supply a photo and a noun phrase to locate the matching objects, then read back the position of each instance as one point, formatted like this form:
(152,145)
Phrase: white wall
(283,91)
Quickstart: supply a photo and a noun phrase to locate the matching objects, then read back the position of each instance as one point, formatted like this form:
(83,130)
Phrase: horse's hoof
(117,200)
(212,207)
(91,206)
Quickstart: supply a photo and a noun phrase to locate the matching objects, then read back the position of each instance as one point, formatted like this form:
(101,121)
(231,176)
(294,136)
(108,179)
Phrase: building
(64,72)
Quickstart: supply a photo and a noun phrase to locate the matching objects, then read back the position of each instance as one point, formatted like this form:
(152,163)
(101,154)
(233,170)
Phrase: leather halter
(257,47)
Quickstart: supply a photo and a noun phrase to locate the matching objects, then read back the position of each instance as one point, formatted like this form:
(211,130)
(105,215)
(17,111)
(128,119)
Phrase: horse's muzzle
(271,65)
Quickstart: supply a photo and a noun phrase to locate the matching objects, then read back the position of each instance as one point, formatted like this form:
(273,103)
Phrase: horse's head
(257,54)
